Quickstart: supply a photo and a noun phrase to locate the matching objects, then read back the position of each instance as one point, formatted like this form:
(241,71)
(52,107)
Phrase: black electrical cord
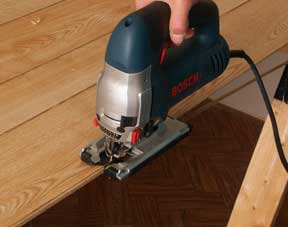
(242,54)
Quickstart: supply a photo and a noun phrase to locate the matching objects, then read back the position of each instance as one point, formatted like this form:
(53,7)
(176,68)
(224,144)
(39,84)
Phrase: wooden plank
(258,32)
(55,81)
(40,161)
(50,142)
(28,42)
(284,49)
(227,5)
(50,84)
(12,9)
(42,36)
(266,179)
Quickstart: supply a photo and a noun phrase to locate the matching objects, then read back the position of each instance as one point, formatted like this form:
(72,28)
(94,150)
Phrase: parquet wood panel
(194,184)
(46,117)
(13,9)
(53,83)
(47,34)
(40,162)
(57,80)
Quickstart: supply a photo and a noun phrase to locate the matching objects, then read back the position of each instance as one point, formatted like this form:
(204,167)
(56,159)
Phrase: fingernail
(177,38)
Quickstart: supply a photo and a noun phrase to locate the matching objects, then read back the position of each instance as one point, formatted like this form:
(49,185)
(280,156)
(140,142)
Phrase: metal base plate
(169,132)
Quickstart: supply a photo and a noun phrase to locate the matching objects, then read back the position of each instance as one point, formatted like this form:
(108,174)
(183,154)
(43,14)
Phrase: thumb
(179,20)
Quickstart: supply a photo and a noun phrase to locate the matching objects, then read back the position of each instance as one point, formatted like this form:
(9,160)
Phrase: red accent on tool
(135,136)
(95,122)
(162,56)
(188,82)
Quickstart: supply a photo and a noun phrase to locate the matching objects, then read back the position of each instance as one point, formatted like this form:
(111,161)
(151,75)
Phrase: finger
(179,20)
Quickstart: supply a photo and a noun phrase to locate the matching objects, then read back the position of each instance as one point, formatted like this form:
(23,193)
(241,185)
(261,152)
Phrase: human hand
(179,17)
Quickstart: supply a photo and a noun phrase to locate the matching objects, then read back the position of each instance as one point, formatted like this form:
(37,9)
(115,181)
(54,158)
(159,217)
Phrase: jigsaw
(143,78)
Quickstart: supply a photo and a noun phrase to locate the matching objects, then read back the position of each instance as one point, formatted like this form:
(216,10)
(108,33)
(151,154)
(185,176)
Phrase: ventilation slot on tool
(110,134)
(128,121)
(217,63)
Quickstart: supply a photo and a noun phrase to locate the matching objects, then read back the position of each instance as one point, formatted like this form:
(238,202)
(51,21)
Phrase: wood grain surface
(194,184)
(60,78)
(50,84)
(47,34)
(13,9)
(48,96)
(40,161)
(284,49)
(227,5)
(266,180)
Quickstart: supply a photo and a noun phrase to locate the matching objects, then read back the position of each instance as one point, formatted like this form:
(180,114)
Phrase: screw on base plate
(86,157)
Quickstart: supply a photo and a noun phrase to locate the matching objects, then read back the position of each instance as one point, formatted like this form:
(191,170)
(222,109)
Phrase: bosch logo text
(191,80)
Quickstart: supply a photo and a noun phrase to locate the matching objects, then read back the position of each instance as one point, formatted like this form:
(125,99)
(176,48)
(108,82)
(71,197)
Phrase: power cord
(243,55)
